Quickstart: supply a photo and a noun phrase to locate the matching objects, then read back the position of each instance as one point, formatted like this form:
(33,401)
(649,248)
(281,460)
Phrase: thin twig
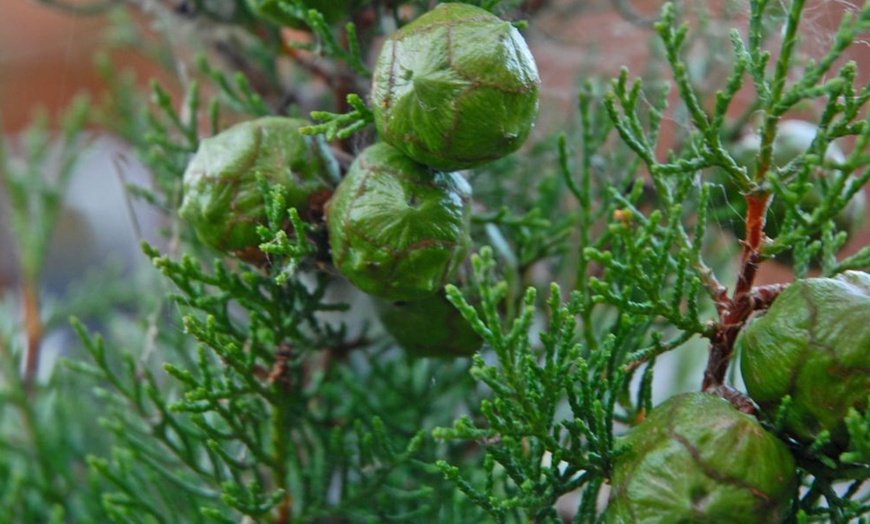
(33,331)
(628,12)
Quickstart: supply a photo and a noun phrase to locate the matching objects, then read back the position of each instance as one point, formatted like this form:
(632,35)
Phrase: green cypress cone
(431,327)
(223,200)
(397,229)
(698,459)
(456,88)
(813,344)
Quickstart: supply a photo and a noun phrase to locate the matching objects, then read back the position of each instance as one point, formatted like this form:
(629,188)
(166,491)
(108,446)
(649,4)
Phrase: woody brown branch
(734,311)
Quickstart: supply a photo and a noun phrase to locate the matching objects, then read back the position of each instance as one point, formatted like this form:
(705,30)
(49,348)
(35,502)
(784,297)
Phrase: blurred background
(47,58)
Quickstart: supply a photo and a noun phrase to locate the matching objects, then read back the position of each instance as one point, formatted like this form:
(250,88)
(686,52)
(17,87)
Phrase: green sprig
(341,126)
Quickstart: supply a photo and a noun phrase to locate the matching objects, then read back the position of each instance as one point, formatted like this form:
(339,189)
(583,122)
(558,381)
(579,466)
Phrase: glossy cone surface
(456,88)
(223,200)
(697,459)
(397,229)
(813,344)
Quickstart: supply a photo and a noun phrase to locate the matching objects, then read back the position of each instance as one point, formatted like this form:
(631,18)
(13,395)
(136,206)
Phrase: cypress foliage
(216,389)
